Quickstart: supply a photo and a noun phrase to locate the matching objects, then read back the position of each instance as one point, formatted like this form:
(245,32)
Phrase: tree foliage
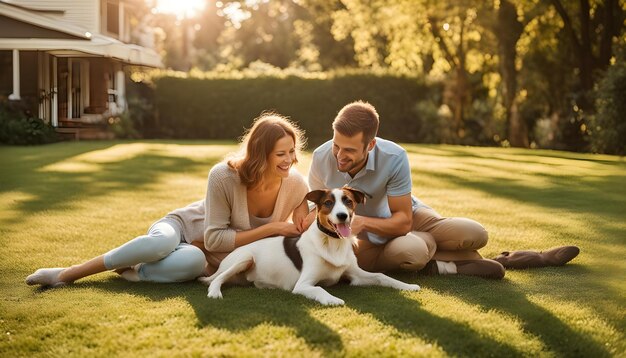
(608,126)
(517,73)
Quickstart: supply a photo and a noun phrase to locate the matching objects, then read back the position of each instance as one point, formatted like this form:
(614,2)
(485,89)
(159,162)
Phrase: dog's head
(335,208)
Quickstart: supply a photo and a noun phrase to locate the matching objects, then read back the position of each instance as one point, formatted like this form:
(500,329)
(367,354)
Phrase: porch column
(121,90)
(55,96)
(15,96)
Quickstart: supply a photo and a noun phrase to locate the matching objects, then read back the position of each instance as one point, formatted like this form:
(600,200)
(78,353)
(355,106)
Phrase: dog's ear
(315,196)
(359,196)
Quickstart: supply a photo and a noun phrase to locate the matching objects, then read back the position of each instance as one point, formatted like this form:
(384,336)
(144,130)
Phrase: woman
(249,197)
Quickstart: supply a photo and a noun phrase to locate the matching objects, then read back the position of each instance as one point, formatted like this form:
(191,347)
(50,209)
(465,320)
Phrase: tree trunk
(461,92)
(462,88)
(508,31)
(460,99)
(586,56)
(582,47)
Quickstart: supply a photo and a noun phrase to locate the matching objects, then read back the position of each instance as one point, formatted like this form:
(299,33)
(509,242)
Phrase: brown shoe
(557,256)
(484,268)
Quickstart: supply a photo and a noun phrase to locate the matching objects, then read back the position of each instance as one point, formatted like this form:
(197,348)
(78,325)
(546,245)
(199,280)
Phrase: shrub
(608,125)
(123,126)
(216,107)
(17,128)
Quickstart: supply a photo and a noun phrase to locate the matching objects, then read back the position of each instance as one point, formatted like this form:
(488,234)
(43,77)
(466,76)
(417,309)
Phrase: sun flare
(181,8)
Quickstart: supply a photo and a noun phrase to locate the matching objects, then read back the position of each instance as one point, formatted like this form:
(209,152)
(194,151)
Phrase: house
(67,60)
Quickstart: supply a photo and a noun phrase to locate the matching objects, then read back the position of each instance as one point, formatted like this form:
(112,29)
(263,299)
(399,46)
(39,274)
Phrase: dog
(322,255)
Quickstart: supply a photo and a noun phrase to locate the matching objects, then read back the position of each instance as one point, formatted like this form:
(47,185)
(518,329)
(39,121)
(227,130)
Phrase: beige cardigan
(227,208)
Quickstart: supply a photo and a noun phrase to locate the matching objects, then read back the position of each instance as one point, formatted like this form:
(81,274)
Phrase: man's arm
(398,224)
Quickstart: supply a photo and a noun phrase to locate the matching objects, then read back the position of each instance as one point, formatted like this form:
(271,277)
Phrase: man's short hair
(355,118)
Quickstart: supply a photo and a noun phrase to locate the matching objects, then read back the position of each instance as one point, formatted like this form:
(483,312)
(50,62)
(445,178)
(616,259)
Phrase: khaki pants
(433,237)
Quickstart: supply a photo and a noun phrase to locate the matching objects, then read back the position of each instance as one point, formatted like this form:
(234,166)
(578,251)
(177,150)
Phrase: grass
(67,202)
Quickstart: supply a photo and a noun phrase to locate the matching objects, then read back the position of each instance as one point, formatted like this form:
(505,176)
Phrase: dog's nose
(342,216)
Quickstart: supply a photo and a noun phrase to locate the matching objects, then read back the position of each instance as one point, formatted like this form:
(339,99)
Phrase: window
(113,17)
(6,73)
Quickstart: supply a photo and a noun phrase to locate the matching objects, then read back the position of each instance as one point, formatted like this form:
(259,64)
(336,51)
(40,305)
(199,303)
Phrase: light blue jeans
(161,255)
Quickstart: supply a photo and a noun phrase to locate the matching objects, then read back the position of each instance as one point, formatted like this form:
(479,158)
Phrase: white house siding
(83,13)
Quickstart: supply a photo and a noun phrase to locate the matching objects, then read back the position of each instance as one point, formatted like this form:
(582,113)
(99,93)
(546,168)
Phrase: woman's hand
(282,228)
(300,214)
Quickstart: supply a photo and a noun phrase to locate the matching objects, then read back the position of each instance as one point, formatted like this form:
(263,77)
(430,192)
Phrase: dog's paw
(204,280)
(412,287)
(215,294)
(332,301)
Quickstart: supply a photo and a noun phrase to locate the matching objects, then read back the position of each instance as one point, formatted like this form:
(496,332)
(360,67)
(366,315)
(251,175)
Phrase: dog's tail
(206,280)
(230,266)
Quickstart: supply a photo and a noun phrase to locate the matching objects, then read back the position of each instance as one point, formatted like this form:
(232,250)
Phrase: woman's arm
(279,228)
(218,235)
(245,237)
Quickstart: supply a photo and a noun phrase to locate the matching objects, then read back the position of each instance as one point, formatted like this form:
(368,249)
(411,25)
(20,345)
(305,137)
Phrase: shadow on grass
(512,154)
(51,190)
(237,312)
(557,336)
(392,308)
(565,283)
(597,195)
(246,307)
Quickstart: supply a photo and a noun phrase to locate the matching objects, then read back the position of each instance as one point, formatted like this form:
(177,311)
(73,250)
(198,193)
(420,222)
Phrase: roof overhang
(32,17)
(87,44)
(97,46)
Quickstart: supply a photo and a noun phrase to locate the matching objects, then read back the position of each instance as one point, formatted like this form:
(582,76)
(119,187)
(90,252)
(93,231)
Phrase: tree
(457,22)
(510,23)
(591,38)
(419,36)
(608,126)
(508,30)
(207,32)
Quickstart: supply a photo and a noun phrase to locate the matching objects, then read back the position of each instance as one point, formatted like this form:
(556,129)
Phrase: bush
(608,125)
(220,108)
(123,126)
(17,128)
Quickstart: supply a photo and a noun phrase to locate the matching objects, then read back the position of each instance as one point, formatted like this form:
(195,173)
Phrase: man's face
(350,152)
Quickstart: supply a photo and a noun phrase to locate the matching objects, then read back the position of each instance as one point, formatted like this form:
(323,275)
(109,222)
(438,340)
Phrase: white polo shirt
(386,173)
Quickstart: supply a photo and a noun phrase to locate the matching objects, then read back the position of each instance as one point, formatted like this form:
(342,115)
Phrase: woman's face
(281,158)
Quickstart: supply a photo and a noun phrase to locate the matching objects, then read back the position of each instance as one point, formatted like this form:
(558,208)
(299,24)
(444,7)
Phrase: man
(394,229)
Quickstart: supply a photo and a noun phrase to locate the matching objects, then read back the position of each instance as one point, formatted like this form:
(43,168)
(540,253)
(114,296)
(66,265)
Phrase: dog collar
(326,231)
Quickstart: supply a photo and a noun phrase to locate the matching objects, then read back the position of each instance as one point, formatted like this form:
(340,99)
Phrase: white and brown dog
(322,255)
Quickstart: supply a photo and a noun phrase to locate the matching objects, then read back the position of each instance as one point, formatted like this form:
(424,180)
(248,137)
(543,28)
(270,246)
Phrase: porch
(68,75)
(79,96)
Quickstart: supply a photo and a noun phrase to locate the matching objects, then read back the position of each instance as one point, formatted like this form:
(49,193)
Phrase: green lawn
(64,203)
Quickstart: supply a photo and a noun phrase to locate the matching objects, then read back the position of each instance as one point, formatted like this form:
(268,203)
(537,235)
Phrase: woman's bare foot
(119,271)
(46,277)
(129,273)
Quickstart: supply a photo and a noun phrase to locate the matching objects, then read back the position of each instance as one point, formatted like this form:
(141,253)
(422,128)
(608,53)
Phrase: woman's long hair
(258,142)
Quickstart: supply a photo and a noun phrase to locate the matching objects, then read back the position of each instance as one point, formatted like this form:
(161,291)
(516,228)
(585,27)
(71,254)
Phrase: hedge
(221,108)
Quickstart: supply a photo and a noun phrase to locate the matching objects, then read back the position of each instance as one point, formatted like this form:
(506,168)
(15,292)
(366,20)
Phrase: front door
(46,87)
(75,89)
(62,78)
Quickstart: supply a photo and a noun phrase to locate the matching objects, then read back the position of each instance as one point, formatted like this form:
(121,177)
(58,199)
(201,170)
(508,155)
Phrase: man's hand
(398,224)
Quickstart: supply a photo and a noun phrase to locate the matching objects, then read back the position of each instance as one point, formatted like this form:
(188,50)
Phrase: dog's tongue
(344,230)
